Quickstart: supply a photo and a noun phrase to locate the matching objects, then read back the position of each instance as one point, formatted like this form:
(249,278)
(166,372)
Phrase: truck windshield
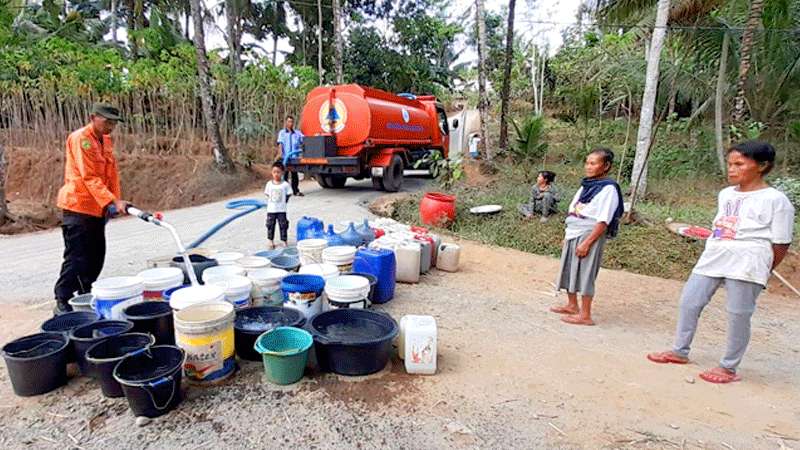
(445,129)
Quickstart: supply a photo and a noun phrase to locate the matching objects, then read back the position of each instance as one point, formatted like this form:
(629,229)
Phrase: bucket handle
(138,352)
(156,383)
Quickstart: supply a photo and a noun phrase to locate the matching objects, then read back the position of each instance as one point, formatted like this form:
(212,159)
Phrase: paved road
(29,264)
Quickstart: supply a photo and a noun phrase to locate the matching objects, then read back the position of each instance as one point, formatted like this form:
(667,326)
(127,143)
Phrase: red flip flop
(575,319)
(666,358)
(718,375)
(563,310)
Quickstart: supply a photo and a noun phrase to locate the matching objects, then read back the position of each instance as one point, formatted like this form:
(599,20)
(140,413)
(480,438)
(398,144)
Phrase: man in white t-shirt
(277,192)
(751,235)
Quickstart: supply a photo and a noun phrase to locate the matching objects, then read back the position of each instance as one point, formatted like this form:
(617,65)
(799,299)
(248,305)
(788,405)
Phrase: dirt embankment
(151,181)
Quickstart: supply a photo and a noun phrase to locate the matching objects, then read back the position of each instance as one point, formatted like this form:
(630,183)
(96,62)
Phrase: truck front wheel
(332,181)
(393,175)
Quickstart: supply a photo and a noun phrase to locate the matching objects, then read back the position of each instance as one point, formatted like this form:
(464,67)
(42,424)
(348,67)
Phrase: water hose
(247,206)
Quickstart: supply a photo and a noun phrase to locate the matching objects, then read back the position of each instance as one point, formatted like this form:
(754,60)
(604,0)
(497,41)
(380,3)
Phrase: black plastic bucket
(154,317)
(65,323)
(103,356)
(37,363)
(252,322)
(353,341)
(199,264)
(151,380)
(87,335)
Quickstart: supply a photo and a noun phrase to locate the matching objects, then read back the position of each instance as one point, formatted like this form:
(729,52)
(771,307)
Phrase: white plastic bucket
(214,273)
(347,291)
(310,250)
(416,344)
(449,255)
(205,333)
(237,290)
(253,262)
(341,256)
(158,280)
(112,295)
(195,295)
(227,258)
(267,286)
(326,271)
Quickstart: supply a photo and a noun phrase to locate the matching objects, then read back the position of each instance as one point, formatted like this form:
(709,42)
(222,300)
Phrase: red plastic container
(437,209)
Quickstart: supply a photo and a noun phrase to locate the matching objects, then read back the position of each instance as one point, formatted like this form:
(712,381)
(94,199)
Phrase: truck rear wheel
(393,175)
(332,181)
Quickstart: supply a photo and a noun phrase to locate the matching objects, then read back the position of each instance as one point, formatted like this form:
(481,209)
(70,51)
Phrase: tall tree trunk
(231,18)
(483,103)
(320,70)
(220,153)
(535,80)
(721,86)
(186,24)
(504,94)
(644,135)
(138,14)
(3,176)
(338,41)
(746,53)
(275,32)
(114,21)
(130,23)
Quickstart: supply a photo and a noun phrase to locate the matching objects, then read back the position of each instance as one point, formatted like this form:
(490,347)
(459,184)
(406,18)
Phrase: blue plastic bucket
(303,293)
(382,264)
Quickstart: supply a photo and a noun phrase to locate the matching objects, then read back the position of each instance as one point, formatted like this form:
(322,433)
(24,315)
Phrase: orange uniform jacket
(91,178)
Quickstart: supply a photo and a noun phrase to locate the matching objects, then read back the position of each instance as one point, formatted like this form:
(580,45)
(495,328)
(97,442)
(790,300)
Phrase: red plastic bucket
(437,209)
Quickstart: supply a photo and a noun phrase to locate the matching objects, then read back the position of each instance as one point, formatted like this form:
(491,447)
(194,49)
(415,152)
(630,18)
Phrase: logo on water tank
(406,115)
(332,120)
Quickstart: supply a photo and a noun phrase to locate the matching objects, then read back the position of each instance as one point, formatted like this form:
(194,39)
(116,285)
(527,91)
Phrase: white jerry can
(417,344)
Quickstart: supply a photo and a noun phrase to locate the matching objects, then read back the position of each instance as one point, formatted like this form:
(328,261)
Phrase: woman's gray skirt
(579,274)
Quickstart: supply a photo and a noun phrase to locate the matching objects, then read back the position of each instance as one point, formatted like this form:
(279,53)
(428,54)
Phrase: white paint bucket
(205,333)
(310,250)
(341,256)
(253,262)
(416,344)
(227,258)
(267,286)
(326,271)
(160,279)
(237,290)
(347,291)
(214,273)
(195,295)
(112,295)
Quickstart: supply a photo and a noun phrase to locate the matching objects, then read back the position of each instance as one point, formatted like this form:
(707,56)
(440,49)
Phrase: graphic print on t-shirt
(726,226)
(276,195)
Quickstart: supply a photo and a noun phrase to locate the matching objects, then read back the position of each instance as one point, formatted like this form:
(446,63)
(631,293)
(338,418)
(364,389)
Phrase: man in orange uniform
(90,195)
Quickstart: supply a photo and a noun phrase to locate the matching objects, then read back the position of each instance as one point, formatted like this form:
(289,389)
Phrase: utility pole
(320,70)
(337,39)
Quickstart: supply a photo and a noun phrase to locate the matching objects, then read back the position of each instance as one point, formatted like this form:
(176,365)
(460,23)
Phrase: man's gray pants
(741,303)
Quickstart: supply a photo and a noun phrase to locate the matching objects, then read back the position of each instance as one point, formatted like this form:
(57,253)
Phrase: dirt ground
(150,181)
(510,375)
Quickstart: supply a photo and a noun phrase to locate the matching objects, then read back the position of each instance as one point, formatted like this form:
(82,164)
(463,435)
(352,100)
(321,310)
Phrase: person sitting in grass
(544,197)
(593,215)
(751,235)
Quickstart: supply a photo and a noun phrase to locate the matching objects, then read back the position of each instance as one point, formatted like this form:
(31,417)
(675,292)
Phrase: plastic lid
(161,278)
(216,272)
(347,283)
(339,251)
(193,295)
(324,270)
(312,243)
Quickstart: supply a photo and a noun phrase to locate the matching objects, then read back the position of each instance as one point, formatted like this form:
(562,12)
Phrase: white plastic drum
(112,295)
(267,286)
(326,271)
(310,250)
(417,344)
(341,256)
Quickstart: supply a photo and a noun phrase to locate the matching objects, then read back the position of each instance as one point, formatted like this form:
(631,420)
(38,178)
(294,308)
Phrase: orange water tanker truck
(353,131)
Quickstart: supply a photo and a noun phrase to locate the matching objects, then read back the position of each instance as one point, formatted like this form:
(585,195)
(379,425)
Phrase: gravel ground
(510,375)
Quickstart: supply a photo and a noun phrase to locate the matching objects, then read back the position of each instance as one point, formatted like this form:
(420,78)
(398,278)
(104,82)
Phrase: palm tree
(483,103)
(504,93)
(220,153)
(746,52)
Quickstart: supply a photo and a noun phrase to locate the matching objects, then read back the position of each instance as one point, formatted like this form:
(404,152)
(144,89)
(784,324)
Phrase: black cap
(107,111)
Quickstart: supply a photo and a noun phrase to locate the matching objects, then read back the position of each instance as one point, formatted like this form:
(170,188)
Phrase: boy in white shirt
(752,232)
(277,192)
